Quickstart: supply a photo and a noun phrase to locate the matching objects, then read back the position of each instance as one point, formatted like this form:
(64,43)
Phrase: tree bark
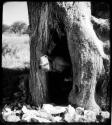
(85,49)
(43,19)
(86,54)
(38,40)
(102,28)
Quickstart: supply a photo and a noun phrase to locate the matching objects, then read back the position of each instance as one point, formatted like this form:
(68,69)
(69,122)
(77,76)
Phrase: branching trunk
(104,23)
(86,52)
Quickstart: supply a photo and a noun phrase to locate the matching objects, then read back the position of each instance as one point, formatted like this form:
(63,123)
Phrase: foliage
(18,27)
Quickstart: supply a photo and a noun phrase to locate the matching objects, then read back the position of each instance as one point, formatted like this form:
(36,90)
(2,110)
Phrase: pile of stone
(49,113)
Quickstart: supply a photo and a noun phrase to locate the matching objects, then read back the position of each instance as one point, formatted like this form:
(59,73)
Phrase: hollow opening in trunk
(60,78)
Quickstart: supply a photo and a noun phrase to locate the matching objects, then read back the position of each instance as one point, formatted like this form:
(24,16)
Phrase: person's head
(59,64)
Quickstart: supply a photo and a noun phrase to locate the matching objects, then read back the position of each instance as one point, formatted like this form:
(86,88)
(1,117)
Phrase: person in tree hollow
(60,74)
(57,64)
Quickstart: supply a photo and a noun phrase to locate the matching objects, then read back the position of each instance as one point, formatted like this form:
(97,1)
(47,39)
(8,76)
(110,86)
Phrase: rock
(16,111)
(42,120)
(70,114)
(29,117)
(28,110)
(28,114)
(26,117)
(44,114)
(59,109)
(24,109)
(105,114)
(48,108)
(90,116)
(57,119)
(80,110)
(13,118)
(8,109)
(82,119)
(6,112)
(53,109)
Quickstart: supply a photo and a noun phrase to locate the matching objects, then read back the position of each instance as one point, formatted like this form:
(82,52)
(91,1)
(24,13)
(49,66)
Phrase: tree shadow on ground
(12,86)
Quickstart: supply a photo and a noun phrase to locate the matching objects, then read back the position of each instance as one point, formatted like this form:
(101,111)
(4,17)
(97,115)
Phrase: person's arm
(44,63)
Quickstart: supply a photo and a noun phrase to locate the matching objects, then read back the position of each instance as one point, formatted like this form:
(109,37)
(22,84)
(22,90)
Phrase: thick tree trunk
(38,26)
(86,55)
(43,19)
(72,19)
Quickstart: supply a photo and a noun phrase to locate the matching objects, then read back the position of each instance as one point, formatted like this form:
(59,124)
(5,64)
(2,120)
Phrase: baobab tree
(66,29)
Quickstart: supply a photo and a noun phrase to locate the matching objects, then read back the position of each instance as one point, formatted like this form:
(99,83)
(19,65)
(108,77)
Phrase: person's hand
(44,63)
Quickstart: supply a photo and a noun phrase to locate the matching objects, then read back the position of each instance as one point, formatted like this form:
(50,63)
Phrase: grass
(15,51)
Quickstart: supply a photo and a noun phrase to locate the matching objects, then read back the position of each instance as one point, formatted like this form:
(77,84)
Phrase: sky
(15,11)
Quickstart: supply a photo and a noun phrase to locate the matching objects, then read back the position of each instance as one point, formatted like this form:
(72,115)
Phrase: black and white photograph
(55,62)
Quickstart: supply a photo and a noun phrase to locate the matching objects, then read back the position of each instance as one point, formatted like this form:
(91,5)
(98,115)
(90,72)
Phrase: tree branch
(100,47)
(101,25)
(104,23)
(102,28)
